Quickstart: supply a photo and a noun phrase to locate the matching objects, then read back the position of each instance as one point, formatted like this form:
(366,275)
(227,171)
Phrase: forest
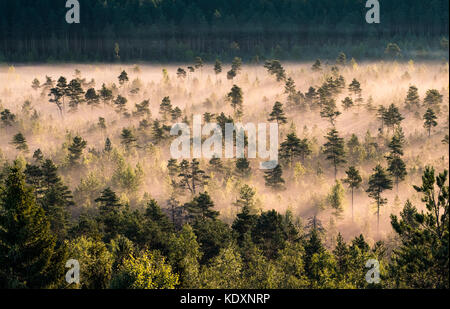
(93,197)
(362,175)
(254,30)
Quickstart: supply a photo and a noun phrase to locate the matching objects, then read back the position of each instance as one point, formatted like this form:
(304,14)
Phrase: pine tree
(120,103)
(75,93)
(218,67)
(396,166)
(335,199)
(157,132)
(165,108)
(198,63)
(109,202)
(8,119)
(27,246)
(379,181)
(278,114)
(201,207)
(20,142)
(181,73)
(353,180)
(273,178)
(312,97)
(317,66)
(412,101)
(341,59)
(293,148)
(128,139)
(329,110)
(421,261)
(235,96)
(274,67)
(123,78)
(236,65)
(243,168)
(216,165)
(55,197)
(176,113)
(244,222)
(76,150)
(392,117)
(433,99)
(192,177)
(38,156)
(92,98)
(342,256)
(430,120)
(142,109)
(246,198)
(334,150)
(347,103)
(106,95)
(108,145)
(172,166)
(35,84)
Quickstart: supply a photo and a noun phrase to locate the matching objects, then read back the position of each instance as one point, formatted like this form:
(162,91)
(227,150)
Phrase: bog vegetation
(86,174)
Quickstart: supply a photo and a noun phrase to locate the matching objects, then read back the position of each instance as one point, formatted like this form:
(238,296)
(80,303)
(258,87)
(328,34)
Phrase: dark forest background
(178,30)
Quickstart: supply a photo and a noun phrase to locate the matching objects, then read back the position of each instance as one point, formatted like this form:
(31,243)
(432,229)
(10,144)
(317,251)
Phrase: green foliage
(76,150)
(430,120)
(278,114)
(273,178)
(379,181)
(27,246)
(146,271)
(334,150)
(422,259)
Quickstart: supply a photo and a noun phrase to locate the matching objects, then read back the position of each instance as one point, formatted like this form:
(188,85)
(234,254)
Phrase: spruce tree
(244,222)
(27,246)
(108,201)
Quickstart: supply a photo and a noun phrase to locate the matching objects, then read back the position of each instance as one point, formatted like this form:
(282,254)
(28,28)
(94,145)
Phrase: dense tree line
(170,30)
(122,248)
